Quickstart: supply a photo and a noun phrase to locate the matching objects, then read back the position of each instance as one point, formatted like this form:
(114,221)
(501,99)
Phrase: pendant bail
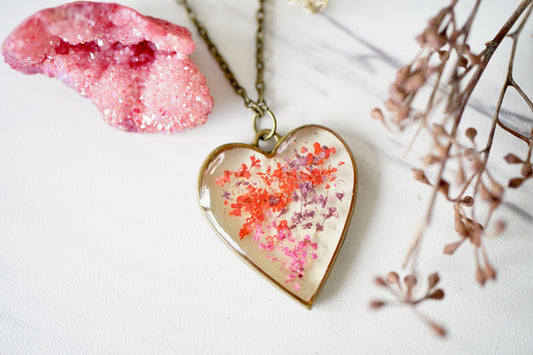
(260,136)
(264,134)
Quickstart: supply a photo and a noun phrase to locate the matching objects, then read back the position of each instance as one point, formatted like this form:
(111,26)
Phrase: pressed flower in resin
(284,212)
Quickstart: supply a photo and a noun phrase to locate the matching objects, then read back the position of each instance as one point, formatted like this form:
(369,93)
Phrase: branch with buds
(403,292)
(452,70)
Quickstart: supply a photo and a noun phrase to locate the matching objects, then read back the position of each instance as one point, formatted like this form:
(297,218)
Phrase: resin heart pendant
(284,212)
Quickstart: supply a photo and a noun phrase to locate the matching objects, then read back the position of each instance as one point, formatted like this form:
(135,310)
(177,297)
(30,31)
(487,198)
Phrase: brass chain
(259,106)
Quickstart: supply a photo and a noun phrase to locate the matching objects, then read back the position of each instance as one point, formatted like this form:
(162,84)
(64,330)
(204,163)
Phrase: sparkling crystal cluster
(135,68)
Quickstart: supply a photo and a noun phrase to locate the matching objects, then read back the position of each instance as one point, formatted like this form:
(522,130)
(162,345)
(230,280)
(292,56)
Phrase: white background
(103,249)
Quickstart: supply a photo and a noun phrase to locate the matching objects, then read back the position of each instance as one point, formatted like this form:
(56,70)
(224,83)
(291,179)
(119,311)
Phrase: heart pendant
(284,212)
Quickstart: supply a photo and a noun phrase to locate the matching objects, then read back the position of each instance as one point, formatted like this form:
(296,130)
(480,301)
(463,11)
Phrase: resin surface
(285,213)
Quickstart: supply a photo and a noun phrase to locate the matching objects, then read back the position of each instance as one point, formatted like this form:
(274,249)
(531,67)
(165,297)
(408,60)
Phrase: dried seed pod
(515,183)
(490,273)
(441,149)
(392,106)
(420,176)
(471,133)
(513,159)
(436,21)
(410,281)
(376,304)
(393,278)
(377,114)
(497,189)
(488,195)
(414,81)
(402,74)
(526,170)
(403,113)
(438,294)
(397,94)
(475,59)
(444,55)
(440,331)
(475,225)
(430,160)
(433,280)
(467,201)
(475,238)
(444,187)
(462,62)
(379,281)
(449,249)
(434,40)
(460,226)
(476,164)
(480,276)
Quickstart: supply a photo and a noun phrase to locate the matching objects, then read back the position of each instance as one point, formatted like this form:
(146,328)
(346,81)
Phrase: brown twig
(463,101)
(445,39)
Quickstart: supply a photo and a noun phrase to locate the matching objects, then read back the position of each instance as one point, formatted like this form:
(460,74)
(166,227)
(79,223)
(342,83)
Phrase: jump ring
(272,131)
(262,134)
(258,110)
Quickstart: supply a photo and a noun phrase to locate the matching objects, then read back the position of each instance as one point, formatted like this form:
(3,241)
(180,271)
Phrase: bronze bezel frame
(270,155)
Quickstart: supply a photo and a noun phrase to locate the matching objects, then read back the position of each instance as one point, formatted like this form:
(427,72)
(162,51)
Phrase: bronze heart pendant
(285,212)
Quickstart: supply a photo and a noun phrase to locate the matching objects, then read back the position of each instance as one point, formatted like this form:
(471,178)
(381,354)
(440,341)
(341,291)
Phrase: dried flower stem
(463,99)
(403,293)
(445,46)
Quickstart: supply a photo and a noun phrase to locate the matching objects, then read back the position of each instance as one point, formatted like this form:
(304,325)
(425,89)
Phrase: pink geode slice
(135,68)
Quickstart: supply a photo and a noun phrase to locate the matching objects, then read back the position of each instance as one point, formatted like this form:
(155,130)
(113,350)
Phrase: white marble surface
(104,251)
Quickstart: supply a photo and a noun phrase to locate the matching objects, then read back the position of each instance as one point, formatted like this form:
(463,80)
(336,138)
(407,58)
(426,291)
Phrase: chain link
(259,57)
(259,107)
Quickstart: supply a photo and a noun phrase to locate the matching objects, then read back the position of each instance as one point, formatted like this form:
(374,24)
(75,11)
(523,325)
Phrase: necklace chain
(259,106)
